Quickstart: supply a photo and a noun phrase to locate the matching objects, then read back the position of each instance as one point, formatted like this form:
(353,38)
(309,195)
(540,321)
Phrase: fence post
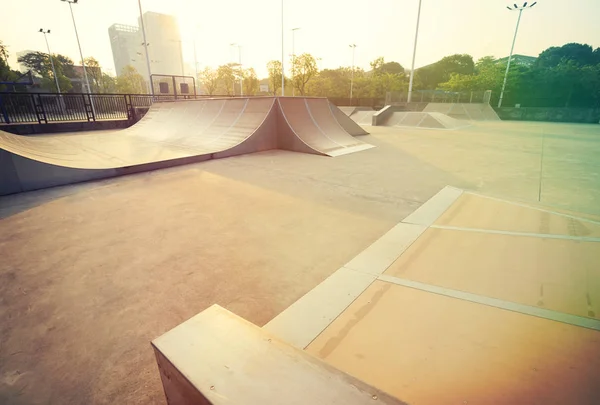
(3,111)
(42,109)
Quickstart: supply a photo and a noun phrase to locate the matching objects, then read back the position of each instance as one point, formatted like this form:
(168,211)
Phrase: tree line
(68,75)
(565,76)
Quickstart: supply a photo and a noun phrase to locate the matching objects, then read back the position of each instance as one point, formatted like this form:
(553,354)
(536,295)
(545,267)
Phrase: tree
(107,84)
(385,77)
(41,64)
(580,54)
(6,73)
(226,79)
(209,79)
(94,73)
(380,66)
(130,81)
(251,82)
(4,52)
(275,72)
(304,68)
(441,71)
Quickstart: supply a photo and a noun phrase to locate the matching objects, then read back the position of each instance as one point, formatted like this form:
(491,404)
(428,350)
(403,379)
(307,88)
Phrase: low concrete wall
(550,114)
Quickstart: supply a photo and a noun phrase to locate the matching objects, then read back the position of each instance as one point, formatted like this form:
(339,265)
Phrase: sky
(327,28)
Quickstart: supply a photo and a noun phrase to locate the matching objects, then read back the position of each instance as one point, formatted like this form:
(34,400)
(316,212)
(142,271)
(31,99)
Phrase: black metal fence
(43,108)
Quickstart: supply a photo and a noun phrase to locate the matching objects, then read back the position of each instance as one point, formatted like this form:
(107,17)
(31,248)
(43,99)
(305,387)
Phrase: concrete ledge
(382,115)
(217,358)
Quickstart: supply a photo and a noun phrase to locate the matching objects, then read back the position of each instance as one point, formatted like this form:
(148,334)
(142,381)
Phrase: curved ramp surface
(346,122)
(170,134)
(430,120)
(314,127)
(363,117)
(464,111)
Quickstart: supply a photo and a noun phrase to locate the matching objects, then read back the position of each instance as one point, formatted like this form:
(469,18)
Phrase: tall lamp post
(43,31)
(87,82)
(146,48)
(282,55)
(239,47)
(353,46)
(412,68)
(520,9)
(294,59)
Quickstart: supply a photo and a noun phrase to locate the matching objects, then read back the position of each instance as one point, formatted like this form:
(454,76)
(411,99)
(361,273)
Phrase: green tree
(274,69)
(251,82)
(304,68)
(130,81)
(6,73)
(226,79)
(41,64)
(439,72)
(94,73)
(108,84)
(209,79)
(580,54)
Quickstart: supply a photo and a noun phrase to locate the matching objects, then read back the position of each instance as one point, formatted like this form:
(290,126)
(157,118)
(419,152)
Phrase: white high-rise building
(164,45)
(127,48)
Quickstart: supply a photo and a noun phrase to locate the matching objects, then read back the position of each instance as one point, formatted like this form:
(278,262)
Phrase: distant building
(127,47)
(521,60)
(164,45)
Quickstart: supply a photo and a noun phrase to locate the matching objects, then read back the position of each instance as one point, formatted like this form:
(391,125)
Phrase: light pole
(353,46)
(282,55)
(146,48)
(412,69)
(294,59)
(520,9)
(87,82)
(51,59)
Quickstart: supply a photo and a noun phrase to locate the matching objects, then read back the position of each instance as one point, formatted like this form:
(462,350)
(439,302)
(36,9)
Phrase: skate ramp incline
(346,122)
(170,134)
(464,111)
(314,127)
(363,117)
(430,120)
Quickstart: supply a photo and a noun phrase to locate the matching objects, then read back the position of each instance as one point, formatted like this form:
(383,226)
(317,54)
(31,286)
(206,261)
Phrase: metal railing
(44,108)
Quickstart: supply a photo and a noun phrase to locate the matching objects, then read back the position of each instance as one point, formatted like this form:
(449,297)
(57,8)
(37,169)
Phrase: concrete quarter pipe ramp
(173,134)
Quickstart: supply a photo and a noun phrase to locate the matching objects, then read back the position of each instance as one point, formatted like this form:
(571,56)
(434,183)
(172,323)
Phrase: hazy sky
(378,27)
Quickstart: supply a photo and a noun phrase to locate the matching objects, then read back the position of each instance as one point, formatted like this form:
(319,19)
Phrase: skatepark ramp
(430,120)
(175,133)
(464,111)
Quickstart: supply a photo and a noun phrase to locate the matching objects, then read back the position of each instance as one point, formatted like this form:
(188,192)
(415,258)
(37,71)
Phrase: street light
(146,48)
(520,9)
(87,82)
(294,59)
(353,46)
(282,55)
(51,59)
(412,69)
(239,47)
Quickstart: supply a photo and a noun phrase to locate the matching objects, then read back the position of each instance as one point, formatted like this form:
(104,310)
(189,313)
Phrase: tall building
(127,48)
(164,45)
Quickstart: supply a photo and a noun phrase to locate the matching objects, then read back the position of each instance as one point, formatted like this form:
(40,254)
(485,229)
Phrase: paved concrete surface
(477,314)
(91,273)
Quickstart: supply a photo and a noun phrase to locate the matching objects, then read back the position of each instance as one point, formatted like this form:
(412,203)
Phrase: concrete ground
(89,274)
